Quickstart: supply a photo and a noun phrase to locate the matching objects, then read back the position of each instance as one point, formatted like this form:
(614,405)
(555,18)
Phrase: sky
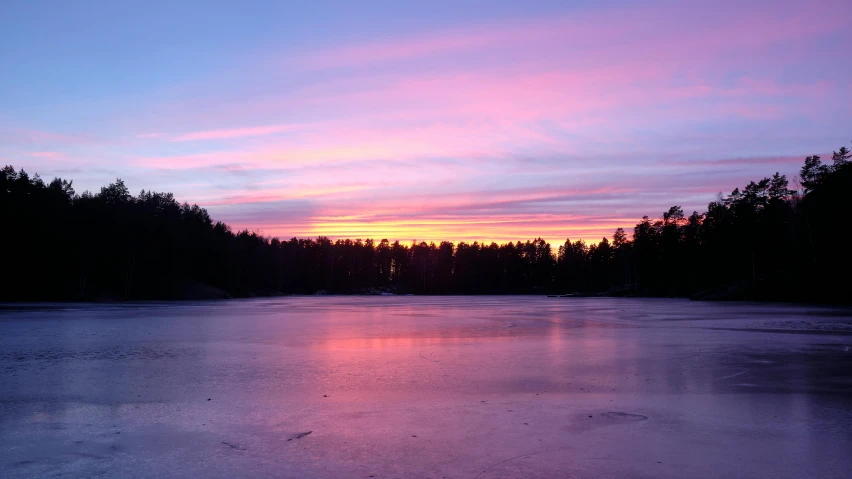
(459,120)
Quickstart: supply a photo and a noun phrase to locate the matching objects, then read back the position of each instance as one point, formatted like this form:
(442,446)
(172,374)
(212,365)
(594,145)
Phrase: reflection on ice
(426,387)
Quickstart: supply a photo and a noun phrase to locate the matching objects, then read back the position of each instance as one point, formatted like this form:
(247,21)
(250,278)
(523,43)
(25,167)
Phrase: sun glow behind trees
(488,122)
(766,240)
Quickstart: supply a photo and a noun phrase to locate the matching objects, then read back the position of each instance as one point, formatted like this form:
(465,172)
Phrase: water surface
(443,387)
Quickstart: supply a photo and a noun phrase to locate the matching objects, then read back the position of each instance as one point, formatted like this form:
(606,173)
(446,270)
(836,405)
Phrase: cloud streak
(561,124)
(225,134)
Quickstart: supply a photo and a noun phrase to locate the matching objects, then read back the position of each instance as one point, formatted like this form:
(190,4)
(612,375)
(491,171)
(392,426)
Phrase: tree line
(766,241)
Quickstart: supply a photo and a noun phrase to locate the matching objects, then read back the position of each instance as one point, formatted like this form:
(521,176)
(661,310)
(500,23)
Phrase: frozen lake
(431,387)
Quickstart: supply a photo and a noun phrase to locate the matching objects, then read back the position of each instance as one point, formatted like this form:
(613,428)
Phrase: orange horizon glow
(557,120)
(483,232)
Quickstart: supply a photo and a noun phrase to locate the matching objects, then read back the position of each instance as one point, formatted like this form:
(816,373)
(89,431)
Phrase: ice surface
(432,387)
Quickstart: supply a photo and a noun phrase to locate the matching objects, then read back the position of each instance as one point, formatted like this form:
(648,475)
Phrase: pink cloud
(481,114)
(611,105)
(236,132)
(662,65)
(431,210)
(292,192)
(46,154)
(336,142)
(588,97)
(674,52)
(750,28)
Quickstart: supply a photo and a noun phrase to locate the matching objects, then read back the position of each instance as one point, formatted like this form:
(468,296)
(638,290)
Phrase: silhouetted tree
(761,241)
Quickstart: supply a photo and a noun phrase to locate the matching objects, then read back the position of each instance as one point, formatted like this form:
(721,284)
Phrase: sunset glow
(492,121)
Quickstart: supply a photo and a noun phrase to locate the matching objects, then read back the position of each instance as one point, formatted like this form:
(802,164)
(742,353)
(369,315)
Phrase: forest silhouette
(765,241)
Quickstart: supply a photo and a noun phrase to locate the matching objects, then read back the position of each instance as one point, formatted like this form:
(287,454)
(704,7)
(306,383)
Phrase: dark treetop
(762,242)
